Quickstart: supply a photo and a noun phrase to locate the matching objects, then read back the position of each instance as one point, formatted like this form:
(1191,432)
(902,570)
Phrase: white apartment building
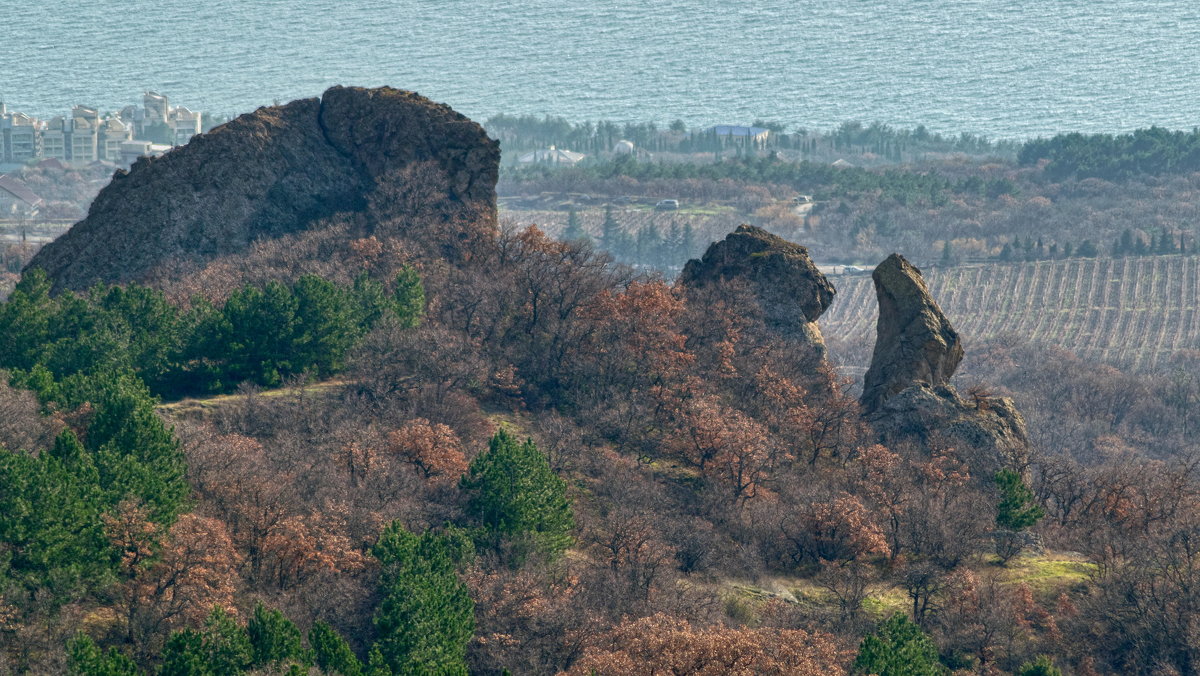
(20,140)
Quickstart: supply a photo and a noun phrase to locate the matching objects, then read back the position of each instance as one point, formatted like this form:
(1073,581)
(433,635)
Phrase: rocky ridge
(907,396)
(283,170)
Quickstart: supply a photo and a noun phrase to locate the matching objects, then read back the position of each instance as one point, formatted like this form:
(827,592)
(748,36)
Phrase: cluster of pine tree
(517,508)
(262,335)
(1153,151)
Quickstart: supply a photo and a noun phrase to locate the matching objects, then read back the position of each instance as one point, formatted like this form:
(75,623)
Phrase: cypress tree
(574,231)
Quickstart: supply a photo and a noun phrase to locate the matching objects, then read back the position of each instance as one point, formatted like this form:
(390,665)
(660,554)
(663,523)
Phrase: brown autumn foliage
(703,453)
(177,586)
(665,645)
(434,449)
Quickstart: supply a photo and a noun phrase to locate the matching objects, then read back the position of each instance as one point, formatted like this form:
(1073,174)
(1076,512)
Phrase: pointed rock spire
(915,343)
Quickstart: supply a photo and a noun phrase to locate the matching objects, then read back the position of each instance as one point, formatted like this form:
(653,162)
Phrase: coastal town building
(86,136)
(16,199)
(552,155)
(20,137)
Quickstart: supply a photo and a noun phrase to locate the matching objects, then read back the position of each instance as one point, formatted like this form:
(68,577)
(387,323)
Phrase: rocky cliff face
(907,394)
(788,288)
(357,155)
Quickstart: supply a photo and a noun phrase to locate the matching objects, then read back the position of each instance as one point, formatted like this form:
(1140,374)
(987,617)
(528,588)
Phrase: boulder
(348,156)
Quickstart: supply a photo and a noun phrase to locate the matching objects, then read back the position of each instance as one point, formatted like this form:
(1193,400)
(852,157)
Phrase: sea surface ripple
(1002,68)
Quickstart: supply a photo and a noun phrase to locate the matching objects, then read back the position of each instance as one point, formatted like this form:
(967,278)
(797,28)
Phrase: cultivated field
(1134,312)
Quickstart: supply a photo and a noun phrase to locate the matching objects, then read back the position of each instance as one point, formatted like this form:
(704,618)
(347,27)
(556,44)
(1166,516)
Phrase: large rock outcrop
(361,156)
(907,395)
(791,293)
(915,344)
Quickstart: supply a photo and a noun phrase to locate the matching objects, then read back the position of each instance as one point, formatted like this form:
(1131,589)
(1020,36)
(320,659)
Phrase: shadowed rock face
(790,290)
(281,170)
(914,344)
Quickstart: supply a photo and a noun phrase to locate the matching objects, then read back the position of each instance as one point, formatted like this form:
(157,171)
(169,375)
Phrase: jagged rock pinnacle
(915,343)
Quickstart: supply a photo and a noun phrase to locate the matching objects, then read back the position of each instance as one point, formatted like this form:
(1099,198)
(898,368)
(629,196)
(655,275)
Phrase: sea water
(1001,68)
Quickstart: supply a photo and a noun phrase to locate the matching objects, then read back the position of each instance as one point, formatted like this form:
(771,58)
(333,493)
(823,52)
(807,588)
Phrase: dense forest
(470,448)
(565,466)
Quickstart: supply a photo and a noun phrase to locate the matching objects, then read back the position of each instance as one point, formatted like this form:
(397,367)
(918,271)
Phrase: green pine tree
(331,652)
(255,336)
(898,648)
(370,302)
(273,637)
(185,655)
(518,499)
(425,618)
(1042,666)
(409,297)
(376,664)
(226,644)
(136,454)
(85,658)
(1017,509)
(326,327)
(25,321)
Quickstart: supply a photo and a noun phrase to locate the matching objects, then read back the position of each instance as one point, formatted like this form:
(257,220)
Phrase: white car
(667,205)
